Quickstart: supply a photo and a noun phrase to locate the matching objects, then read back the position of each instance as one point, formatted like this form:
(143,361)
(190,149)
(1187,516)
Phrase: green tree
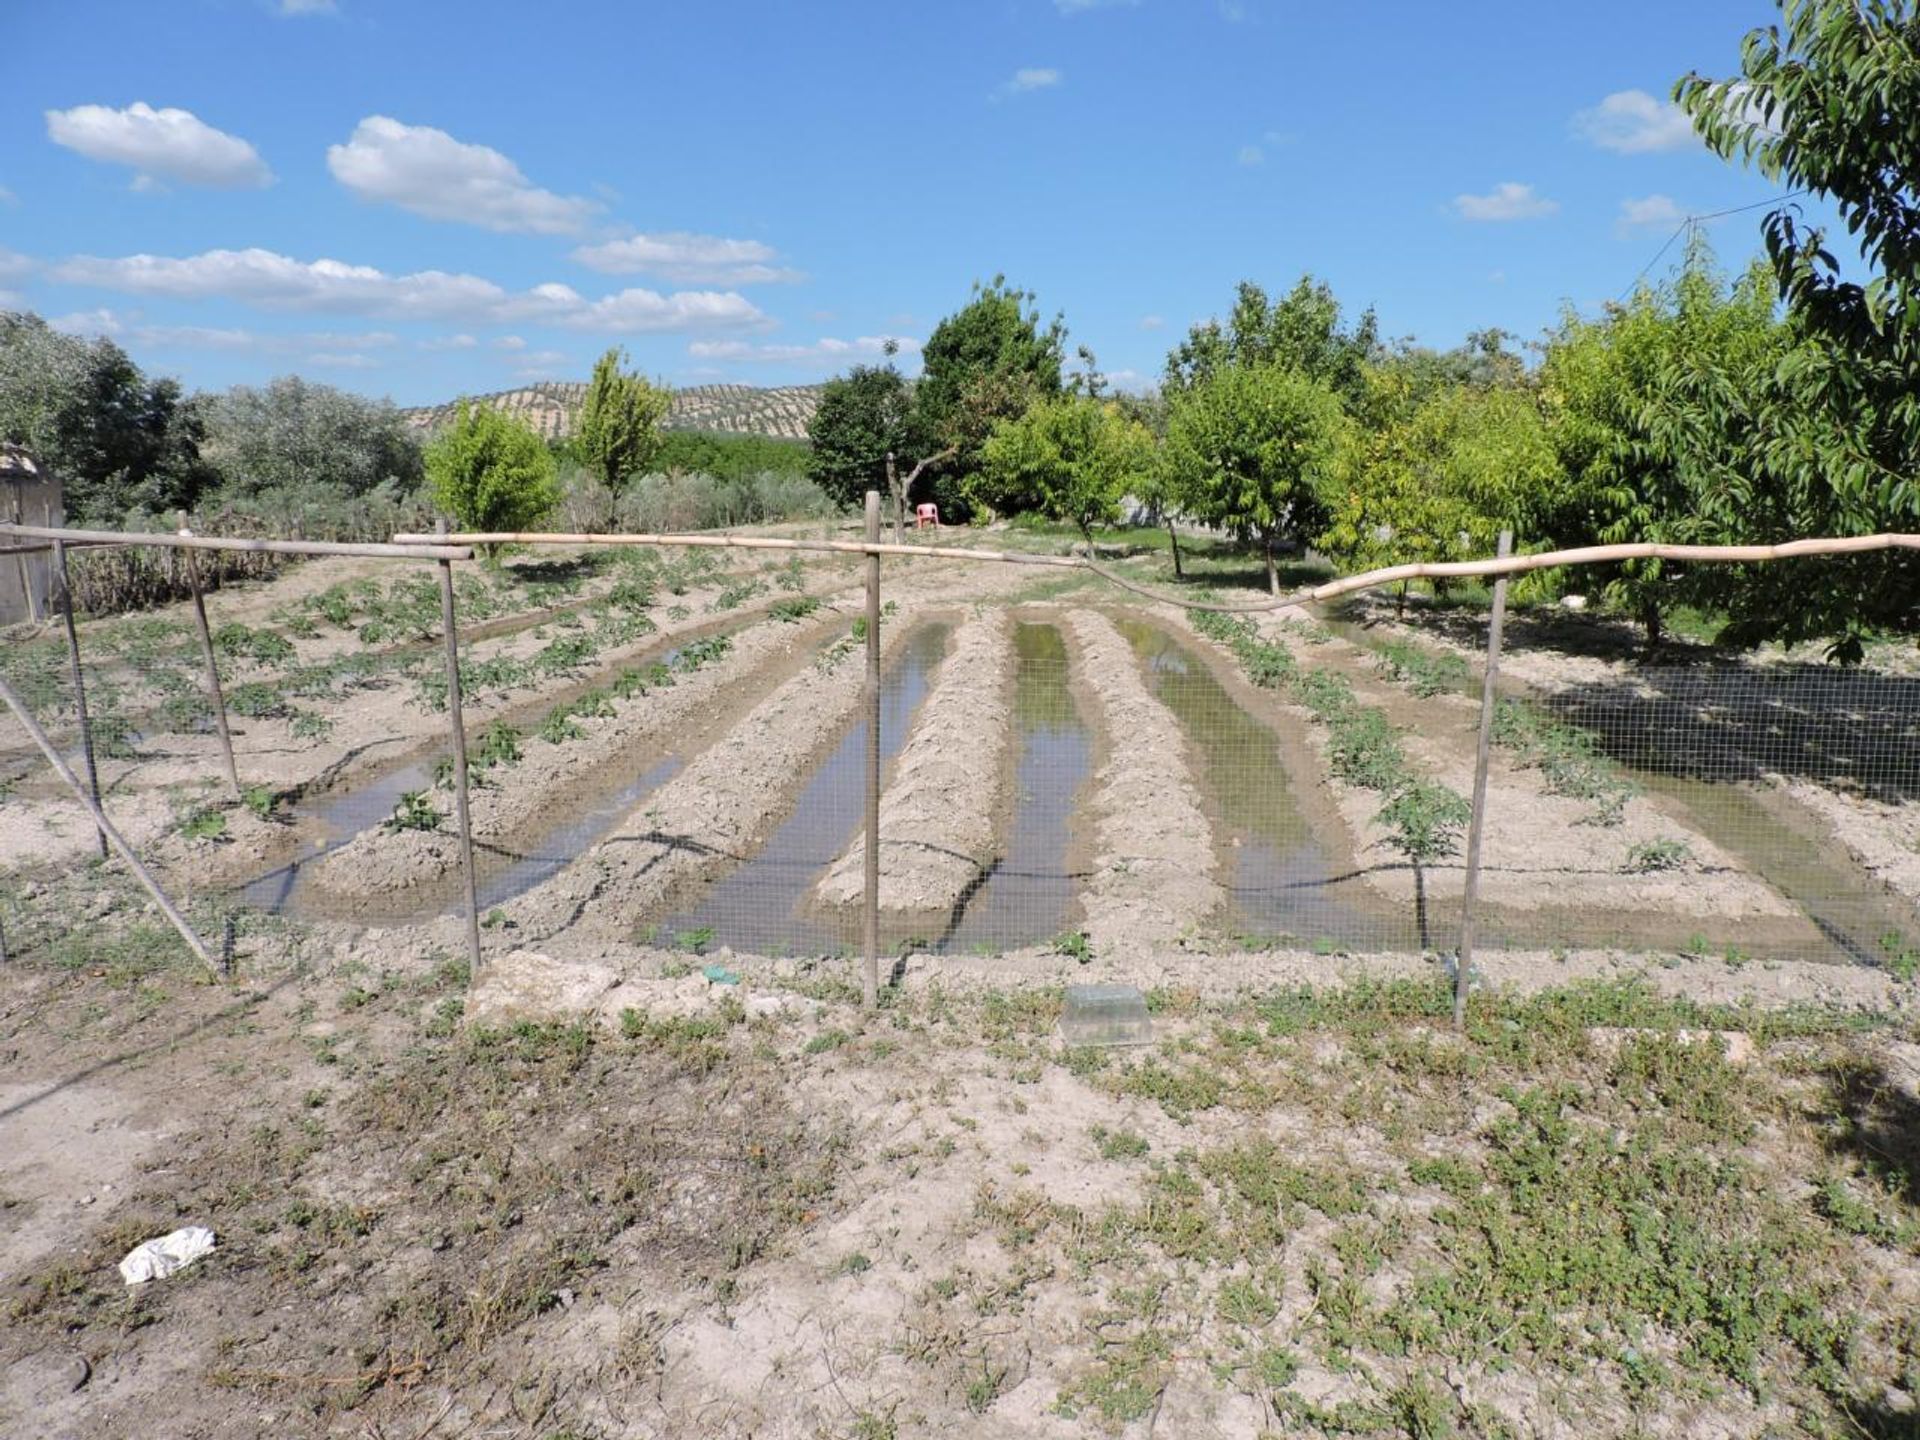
(619,431)
(1250,448)
(1826,101)
(1655,409)
(119,441)
(1438,481)
(985,363)
(490,472)
(1072,458)
(293,434)
(1301,330)
(863,417)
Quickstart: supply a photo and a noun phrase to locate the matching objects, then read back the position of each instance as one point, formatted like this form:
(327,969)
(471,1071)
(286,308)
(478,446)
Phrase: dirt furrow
(722,806)
(1153,878)
(937,815)
(520,801)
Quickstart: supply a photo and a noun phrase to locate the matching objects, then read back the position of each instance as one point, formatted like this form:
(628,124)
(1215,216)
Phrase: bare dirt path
(938,811)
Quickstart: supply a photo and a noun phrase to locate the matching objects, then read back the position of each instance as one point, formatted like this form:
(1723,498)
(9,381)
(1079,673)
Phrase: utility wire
(1692,220)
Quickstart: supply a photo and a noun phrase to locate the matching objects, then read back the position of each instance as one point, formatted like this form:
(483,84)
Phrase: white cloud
(7,197)
(272,281)
(1509,200)
(1025,82)
(508,342)
(1131,381)
(1632,122)
(461,341)
(14,265)
(308,7)
(688,259)
(1496,277)
(542,365)
(319,347)
(827,348)
(1152,322)
(12,300)
(175,144)
(1657,210)
(1252,155)
(430,173)
(1256,154)
(1080,7)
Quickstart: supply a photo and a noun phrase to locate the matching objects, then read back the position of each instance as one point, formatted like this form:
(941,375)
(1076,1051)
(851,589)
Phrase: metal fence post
(214,694)
(1476,827)
(870,976)
(79,683)
(447,624)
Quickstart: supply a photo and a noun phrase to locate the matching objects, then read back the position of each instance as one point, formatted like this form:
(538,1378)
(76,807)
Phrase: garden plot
(724,804)
(1153,880)
(942,794)
(315,705)
(1601,856)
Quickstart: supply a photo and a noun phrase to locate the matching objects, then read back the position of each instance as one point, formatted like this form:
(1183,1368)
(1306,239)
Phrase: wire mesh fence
(669,748)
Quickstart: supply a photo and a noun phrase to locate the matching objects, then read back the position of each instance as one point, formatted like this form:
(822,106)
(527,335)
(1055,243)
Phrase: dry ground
(650,1206)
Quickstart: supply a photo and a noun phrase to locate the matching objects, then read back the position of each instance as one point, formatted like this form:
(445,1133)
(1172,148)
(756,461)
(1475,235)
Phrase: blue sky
(423,199)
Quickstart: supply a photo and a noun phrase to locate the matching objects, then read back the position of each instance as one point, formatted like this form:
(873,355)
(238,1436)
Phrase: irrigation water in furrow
(759,905)
(1028,895)
(1764,830)
(1285,881)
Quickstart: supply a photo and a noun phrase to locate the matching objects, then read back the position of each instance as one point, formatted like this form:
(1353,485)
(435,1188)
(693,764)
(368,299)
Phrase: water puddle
(1757,825)
(500,874)
(1285,882)
(759,906)
(1029,894)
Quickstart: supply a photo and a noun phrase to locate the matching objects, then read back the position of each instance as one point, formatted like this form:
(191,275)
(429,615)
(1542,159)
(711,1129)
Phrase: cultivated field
(658,1174)
(551,408)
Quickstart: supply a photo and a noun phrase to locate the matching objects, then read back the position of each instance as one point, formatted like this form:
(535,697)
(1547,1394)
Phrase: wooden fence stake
(1476,827)
(79,682)
(870,976)
(125,851)
(214,695)
(458,724)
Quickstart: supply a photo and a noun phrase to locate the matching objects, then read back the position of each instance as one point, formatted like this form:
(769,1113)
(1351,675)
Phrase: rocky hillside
(550,407)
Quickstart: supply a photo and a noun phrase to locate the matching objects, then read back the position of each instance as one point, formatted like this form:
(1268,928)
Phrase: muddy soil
(519,803)
(723,805)
(1838,741)
(1543,855)
(1153,880)
(373,726)
(938,809)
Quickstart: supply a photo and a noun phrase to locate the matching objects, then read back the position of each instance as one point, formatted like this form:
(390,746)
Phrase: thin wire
(1693,220)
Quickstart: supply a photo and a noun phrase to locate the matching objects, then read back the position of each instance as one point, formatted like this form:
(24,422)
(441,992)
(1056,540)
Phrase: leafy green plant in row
(1569,758)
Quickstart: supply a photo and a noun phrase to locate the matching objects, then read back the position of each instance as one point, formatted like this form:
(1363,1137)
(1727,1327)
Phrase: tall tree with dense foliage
(619,431)
(1073,458)
(987,362)
(294,434)
(1251,449)
(490,472)
(863,417)
(1438,479)
(118,440)
(1301,330)
(1828,101)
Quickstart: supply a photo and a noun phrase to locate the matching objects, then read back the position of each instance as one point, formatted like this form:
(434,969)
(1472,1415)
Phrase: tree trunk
(1650,617)
(1400,603)
(1273,573)
(1173,538)
(898,494)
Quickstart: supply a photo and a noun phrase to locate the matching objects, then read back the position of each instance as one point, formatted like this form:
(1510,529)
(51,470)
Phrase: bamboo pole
(870,975)
(79,681)
(215,696)
(145,540)
(120,846)
(1332,589)
(459,728)
(1477,825)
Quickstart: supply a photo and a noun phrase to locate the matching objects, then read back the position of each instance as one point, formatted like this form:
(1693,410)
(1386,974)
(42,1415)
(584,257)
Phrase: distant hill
(551,407)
